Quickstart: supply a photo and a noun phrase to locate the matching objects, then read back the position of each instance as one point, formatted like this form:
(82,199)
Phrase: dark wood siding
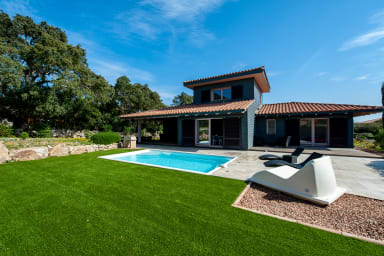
(188,131)
(338,129)
(205,96)
(237,92)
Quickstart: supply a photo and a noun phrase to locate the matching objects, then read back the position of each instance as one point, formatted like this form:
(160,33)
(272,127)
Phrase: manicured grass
(82,205)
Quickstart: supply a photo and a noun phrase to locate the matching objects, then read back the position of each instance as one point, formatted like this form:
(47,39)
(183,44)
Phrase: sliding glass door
(321,131)
(314,131)
(203,132)
(305,131)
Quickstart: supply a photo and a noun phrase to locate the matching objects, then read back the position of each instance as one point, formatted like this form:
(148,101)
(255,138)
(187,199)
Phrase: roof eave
(226,112)
(353,112)
(262,81)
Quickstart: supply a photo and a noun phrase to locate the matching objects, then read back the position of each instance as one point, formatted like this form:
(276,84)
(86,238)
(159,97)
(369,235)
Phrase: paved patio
(359,175)
(325,151)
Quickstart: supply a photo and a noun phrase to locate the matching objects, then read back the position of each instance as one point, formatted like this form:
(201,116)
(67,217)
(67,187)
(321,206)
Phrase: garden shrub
(107,128)
(88,134)
(364,136)
(5,130)
(44,133)
(368,128)
(24,135)
(127,130)
(379,138)
(105,138)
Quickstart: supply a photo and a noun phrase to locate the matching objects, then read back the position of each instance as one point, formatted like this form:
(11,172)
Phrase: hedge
(105,138)
(379,138)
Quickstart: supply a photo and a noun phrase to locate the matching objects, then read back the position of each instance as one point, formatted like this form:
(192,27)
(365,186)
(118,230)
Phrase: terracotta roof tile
(193,109)
(305,107)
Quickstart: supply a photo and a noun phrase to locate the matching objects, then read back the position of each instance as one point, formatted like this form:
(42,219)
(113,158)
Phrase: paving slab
(352,152)
(359,175)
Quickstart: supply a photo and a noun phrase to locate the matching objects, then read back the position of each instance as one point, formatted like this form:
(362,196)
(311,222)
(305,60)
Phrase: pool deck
(362,176)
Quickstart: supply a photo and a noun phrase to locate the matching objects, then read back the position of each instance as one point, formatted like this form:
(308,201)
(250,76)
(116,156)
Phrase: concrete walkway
(359,175)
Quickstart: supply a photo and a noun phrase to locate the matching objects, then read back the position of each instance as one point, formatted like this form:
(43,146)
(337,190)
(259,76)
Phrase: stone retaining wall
(34,153)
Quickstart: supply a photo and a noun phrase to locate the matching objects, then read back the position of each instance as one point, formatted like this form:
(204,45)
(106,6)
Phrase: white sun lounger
(315,182)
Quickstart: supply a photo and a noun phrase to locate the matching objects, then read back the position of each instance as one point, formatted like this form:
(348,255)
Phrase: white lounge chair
(315,182)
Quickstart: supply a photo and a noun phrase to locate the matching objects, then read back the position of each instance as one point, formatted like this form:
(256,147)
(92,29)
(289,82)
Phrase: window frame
(221,93)
(274,130)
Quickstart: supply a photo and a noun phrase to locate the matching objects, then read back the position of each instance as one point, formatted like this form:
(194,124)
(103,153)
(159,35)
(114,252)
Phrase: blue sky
(313,51)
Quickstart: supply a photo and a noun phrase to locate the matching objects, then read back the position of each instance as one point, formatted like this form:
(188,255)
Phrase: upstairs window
(271,126)
(221,94)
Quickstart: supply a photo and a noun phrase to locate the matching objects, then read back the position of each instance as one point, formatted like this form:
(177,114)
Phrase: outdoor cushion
(296,153)
(279,162)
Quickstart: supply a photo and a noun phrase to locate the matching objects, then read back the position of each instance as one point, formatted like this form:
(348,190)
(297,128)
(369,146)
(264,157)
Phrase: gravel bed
(350,213)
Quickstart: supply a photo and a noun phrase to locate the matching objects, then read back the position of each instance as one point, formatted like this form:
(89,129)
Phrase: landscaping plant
(105,138)
(24,135)
(5,130)
(379,138)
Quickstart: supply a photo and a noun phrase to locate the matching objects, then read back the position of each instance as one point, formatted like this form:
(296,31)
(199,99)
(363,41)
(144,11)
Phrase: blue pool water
(171,159)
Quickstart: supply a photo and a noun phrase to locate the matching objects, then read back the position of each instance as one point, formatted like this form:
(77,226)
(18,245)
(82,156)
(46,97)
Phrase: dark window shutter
(237,92)
(205,96)
(232,132)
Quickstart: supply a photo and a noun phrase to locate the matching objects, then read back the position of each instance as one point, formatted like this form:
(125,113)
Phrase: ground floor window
(314,131)
(218,132)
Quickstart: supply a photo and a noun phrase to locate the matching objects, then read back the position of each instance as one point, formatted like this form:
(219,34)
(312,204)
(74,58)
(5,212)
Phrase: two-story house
(227,112)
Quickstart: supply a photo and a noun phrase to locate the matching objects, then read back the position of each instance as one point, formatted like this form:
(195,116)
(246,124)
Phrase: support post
(138,131)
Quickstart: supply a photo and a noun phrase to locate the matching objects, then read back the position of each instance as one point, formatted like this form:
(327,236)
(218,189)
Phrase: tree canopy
(44,80)
(136,97)
(182,99)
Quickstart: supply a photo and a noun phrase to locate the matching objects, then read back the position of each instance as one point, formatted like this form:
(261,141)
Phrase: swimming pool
(182,161)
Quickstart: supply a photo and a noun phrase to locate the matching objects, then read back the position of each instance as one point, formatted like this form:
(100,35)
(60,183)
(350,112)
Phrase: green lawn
(82,205)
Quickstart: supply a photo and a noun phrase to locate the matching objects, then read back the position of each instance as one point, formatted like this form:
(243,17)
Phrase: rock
(79,134)
(75,150)
(24,155)
(41,151)
(90,148)
(59,150)
(4,156)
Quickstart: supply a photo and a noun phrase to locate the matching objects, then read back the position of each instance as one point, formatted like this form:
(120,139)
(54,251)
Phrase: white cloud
(187,10)
(105,66)
(320,74)
(151,19)
(239,66)
(369,37)
(272,73)
(362,77)
(111,70)
(22,7)
(337,79)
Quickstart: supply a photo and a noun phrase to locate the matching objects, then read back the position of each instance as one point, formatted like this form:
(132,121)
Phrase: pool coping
(111,157)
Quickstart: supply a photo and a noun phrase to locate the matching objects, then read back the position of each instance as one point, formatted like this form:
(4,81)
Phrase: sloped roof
(237,106)
(306,107)
(258,74)
(370,121)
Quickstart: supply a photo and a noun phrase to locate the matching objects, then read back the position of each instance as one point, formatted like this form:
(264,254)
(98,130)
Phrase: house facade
(228,112)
